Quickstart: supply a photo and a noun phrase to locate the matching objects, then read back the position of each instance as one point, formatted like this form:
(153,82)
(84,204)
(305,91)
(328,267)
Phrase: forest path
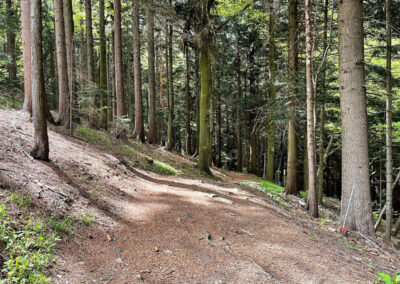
(171,229)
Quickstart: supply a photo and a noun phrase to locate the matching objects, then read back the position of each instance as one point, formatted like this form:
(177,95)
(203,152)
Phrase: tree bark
(26,49)
(103,66)
(272,95)
(355,162)
(93,120)
(40,148)
(139,128)
(188,103)
(197,90)
(291,182)
(170,142)
(389,157)
(152,136)
(238,111)
(62,70)
(312,194)
(119,84)
(69,33)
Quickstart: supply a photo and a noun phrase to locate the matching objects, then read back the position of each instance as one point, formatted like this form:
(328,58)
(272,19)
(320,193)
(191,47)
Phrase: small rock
(119,260)
(81,263)
(156,249)
(117,250)
(187,214)
(168,251)
(178,219)
(139,277)
(221,238)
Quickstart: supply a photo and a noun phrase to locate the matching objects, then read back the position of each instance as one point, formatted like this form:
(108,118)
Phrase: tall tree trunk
(219,130)
(355,162)
(272,95)
(119,84)
(253,132)
(12,66)
(152,137)
(205,67)
(321,166)
(188,103)
(93,121)
(291,182)
(40,148)
(389,157)
(63,90)
(26,49)
(197,90)
(139,128)
(170,133)
(238,111)
(103,65)
(69,33)
(312,194)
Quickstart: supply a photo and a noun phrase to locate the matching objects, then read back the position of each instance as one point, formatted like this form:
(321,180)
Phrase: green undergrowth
(10,103)
(272,190)
(141,155)
(26,248)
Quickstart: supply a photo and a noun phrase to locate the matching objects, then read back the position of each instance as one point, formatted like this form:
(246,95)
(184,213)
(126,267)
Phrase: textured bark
(139,129)
(170,142)
(219,130)
(272,95)
(103,66)
(26,49)
(119,85)
(40,148)
(291,182)
(62,70)
(312,194)
(238,112)
(90,63)
(152,136)
(69,33)
(355,163)
(389,157)
(188,104)
(197,90)
(253,131)
(12,66)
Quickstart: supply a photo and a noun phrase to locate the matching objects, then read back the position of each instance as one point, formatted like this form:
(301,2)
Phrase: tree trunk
(26,49)
(272,95)
(389,157)
(291,182)
(238,112)
(312,194)
(152,137)
(63,90)
(205,67)
(93,121)
(170,142)
(197,90)
(103,66)
(187,91)
(40,148)
(12,66)
(119,84)
(69,33)
(355,162)
(139,129)
(219,133)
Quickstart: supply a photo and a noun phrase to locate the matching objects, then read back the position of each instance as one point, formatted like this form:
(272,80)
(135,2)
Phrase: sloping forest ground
(127,213)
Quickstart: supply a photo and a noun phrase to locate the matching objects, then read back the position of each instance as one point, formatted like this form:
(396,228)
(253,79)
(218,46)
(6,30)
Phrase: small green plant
(26,250)
(86,218)
(387,279)
(313,238)
(22,201)
(92,195)
(323,221)
(62,225)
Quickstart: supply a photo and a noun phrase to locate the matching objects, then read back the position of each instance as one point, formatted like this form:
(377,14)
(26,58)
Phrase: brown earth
(177,229)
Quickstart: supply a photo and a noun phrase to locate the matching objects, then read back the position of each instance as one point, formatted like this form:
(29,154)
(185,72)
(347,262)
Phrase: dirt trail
(161,229)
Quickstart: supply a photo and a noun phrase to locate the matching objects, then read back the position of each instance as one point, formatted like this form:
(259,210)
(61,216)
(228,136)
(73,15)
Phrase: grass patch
(62,225)
(272,190)
(93,137)
(86,218)
(22,201)
(25,250)
(10,103)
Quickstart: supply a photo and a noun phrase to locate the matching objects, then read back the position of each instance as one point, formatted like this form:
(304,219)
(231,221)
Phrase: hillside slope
(177,228)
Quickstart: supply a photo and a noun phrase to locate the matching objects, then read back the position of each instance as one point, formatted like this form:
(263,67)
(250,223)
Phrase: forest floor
(184,228)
